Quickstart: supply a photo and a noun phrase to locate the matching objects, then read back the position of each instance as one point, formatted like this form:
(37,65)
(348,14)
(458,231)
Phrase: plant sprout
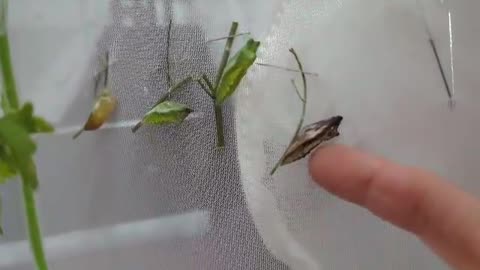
(16,145)
(306,139)
(103,107)
(229,75)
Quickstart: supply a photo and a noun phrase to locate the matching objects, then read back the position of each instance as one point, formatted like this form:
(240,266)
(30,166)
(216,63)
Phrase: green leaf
(7,172)
(28,121)
(7,165)
(167,112)
(42,126)
(23,117)
(18,142)
(16,151)
(236,69)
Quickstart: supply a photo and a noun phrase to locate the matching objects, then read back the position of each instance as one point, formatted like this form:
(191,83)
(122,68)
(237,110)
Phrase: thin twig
(137,126)
(287,69)
(208,82)
(222,38)
(440,67)
(107,63)
(96,84)
(169,78)
(297,91)
(78,133)
(304,109)
(226,53)
(205,88)
(300,66)
(174,89)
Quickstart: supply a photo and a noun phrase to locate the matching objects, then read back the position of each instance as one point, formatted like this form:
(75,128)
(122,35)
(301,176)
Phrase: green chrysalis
(177,87)
(167,112)
(236,69)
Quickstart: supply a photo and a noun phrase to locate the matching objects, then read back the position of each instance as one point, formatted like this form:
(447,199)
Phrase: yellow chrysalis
(102,110)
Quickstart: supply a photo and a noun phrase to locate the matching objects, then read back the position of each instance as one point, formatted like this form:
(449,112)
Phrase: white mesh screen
(165,198)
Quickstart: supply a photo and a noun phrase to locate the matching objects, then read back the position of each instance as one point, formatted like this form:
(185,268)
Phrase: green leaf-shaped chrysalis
(167,112)
(236,69)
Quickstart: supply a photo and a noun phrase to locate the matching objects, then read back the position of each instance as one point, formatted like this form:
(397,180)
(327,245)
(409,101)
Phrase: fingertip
(418,201)
(322,159)
(342,170)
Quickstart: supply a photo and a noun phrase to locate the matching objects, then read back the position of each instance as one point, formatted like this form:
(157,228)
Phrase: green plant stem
(33,226)
(226,53)
(221,69)
(35,235)
(7,72)
(219,125)
(304,109)
(174,89)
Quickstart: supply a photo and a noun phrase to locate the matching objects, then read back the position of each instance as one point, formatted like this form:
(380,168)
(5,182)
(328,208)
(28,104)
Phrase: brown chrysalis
(310,137)
(102,110)
(306,139)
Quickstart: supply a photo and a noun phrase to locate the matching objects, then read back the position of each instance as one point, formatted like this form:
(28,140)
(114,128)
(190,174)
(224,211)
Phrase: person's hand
(442,216)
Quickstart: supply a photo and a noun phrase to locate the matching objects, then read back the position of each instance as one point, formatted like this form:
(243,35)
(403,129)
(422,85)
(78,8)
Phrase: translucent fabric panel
(166,198)
(377,69)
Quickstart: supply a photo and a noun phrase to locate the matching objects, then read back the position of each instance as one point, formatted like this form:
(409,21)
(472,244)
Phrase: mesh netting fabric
(165,197)
(160,175)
